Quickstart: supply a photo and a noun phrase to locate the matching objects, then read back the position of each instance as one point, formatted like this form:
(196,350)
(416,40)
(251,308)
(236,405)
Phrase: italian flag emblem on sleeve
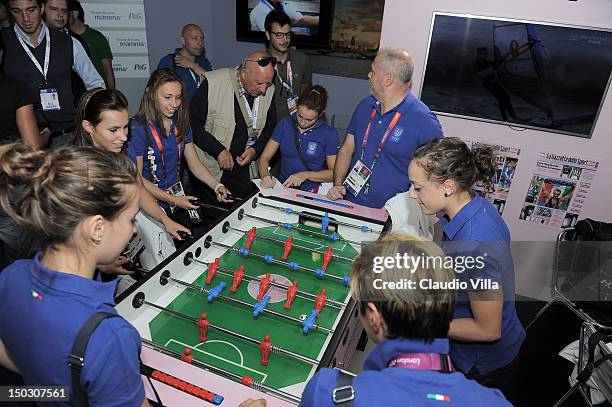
(440,397)
(36,295)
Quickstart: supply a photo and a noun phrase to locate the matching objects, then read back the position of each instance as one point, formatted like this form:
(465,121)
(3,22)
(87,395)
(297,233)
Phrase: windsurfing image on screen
(525,74)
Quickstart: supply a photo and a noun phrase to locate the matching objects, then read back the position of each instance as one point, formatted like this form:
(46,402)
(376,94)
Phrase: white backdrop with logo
(123,23)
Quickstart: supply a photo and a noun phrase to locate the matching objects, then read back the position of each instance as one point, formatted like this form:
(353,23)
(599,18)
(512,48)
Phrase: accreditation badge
(292,104)
(49,99)
(357,178)
(177,190)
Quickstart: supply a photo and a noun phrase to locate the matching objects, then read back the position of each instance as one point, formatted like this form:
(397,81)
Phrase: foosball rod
(333,237)
(224,373)
(290,211)
(279,262)
(214,207)
(300,294)
(303,248)
(273,348)
(204,290)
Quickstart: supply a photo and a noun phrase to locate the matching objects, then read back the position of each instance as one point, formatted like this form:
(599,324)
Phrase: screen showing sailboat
(526,74)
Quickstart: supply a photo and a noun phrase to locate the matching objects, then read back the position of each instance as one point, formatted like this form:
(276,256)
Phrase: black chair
(582,274)
(594,363)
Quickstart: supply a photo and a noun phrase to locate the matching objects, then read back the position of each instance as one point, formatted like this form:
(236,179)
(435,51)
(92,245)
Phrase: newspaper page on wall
(506,160)
(559,187)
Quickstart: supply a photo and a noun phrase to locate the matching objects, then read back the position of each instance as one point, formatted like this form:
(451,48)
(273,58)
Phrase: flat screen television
(526,74)
(312,31)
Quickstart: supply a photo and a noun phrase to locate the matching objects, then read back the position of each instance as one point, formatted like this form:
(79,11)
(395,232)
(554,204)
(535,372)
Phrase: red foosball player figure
(203,327)
(212,270)
(250,237)
(265,346)
(238,276)
(291,292)
(320,300)
(264,284)
(187,356)
(288,247)
(247,381)
(327,256)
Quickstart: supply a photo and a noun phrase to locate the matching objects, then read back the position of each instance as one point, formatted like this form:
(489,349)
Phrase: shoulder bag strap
(344,393)
(77,355)
(298,147)
(593,364)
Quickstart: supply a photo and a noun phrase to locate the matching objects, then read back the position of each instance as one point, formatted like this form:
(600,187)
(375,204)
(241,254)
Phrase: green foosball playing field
(240,356)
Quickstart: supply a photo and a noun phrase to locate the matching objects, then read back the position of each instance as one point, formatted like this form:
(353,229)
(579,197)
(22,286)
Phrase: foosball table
(255,306)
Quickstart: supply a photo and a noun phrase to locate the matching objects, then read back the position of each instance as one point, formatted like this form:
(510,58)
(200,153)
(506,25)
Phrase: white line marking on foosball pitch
(227,343)
(319,247)
(264,375)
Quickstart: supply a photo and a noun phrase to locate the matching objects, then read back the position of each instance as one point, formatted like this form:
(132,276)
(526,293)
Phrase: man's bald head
(398,62)
(255,78)
(192,38)
(190,28)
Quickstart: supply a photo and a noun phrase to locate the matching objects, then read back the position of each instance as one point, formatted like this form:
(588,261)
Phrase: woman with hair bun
(78,205)
(485,333)
(308,145)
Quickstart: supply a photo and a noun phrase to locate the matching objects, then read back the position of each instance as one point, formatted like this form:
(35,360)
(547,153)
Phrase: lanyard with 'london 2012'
(160,147)
(366,136)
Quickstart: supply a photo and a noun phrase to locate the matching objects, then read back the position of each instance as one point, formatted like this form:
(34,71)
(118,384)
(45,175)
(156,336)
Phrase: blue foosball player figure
(309,321)
(324,223)
(259,307)
(214,292)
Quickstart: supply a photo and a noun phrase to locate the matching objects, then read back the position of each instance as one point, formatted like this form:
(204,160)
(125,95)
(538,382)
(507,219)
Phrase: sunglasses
(263,61)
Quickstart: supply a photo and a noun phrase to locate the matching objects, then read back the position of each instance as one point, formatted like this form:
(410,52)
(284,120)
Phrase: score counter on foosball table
(256,305)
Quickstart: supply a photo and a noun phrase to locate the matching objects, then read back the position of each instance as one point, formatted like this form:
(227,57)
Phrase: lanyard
(196,78)
(252,112)
(26,48)
(423,361)
(160,147)
(366,136)
(289,84)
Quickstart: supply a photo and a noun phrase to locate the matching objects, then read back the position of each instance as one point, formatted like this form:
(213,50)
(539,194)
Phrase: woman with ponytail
(102,121)
(78,207)
(485,333)
(160,137)
(308,145)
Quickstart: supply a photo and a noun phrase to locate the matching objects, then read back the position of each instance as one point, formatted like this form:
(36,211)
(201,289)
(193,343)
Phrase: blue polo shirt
(475,230)
(379,385)
(139,143)
(316,144)
(416,126)
(188,77)
(42,312)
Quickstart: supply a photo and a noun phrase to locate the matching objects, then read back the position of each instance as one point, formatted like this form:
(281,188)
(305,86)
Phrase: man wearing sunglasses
(232,118)
(293,69)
